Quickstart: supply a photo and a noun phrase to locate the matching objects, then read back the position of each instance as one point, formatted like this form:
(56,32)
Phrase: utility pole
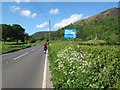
(49,29)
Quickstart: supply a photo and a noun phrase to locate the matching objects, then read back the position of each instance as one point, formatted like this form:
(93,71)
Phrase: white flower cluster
(72,59)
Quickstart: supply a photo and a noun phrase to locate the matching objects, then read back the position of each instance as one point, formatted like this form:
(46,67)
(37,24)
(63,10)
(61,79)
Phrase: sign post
(70,33)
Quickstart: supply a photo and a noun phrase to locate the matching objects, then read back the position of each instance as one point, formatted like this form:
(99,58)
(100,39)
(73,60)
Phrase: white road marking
(44,74)
(33,50)
(7,62)
(20,56)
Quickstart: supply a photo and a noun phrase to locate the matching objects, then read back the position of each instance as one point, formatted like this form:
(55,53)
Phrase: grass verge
(12,46)
(82,66)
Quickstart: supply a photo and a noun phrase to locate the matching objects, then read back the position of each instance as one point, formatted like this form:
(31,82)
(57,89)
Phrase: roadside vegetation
(12,46)
(84,66)
(92,60)
(14,38)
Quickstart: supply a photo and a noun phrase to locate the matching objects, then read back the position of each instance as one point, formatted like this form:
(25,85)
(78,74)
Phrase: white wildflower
(72,72)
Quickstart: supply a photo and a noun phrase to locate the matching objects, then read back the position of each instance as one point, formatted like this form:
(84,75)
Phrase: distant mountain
(102,26)
(41,35)
(38,35)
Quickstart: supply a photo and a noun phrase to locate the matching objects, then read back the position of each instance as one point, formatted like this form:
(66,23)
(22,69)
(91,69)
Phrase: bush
(94,42)
(32,40)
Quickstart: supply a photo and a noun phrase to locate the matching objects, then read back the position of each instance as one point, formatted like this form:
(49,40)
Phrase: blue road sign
(70,33)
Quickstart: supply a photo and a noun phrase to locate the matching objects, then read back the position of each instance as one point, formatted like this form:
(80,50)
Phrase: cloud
(73,18)
(18,1)
(14,8)
(42,25)
(28,13)
(46,29)
(86,17)
(34,15)
(27,0)
(54,11)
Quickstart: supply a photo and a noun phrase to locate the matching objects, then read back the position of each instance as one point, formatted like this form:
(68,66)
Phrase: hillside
(39,35)
(113,12)
(103,26)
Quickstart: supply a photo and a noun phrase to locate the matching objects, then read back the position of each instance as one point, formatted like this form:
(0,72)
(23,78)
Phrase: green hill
(39,35)
(103,26)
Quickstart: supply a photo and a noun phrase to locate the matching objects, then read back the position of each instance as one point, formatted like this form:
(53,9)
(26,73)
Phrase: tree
(6,32)
(0,32)
(13,32)
(26,37)
(18,32)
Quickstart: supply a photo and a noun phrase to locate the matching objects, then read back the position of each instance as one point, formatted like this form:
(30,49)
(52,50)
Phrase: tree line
(13,32)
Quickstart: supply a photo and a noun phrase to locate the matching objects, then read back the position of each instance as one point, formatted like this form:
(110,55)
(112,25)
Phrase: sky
(34,16)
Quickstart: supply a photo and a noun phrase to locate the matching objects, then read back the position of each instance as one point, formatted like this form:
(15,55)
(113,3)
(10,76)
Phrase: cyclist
(45,47)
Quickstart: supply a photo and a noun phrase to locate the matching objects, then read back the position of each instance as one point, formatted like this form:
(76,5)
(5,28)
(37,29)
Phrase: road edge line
(45,70)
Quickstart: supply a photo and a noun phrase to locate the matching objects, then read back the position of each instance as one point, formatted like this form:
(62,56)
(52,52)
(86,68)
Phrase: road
(24,68)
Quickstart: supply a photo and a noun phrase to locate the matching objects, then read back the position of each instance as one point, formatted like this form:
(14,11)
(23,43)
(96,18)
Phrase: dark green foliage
(13,32)
(6,31)
(18,32)
(32,40)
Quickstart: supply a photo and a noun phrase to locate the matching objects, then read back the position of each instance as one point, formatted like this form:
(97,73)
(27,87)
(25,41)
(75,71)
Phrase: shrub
(32,40)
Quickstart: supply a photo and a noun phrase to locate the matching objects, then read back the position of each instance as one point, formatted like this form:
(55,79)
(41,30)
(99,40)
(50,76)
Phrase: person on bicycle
(45,46)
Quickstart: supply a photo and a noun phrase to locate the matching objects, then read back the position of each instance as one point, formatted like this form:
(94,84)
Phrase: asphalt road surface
(24,68)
